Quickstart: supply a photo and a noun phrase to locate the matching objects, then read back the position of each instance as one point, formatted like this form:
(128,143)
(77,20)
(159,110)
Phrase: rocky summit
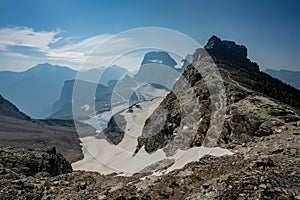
(228,52)
(222,100)
(238,102)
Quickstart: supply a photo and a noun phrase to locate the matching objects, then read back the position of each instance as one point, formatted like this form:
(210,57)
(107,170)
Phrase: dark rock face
(228,52)
(152,138)
(115,129)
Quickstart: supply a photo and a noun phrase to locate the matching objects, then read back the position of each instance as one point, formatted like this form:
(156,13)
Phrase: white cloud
(27,37)
(55,48)
(23,47)
(18,55)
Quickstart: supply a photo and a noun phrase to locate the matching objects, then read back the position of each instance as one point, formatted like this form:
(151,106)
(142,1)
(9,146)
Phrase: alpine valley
(216,128)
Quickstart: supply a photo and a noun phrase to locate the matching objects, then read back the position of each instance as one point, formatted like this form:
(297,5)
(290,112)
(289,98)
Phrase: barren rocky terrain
(266,167)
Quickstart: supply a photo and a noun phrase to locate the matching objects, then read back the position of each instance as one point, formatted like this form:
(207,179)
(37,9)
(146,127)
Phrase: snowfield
(105,158)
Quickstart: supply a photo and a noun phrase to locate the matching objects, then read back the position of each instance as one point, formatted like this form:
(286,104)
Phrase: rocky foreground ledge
(265,168)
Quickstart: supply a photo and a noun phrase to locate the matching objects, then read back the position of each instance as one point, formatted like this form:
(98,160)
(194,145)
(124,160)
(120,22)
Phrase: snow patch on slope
(103,157)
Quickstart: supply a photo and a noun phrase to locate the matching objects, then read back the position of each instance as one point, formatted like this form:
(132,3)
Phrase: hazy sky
(65,31)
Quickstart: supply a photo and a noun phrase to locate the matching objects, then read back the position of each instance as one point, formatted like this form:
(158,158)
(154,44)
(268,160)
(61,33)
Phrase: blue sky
(64,31)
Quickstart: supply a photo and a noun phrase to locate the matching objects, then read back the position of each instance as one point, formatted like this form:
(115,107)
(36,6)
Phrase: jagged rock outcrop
(228,52)
(115,131)
(30,162)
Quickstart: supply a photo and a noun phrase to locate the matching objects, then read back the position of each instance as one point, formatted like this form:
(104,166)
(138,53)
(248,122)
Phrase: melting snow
(103,157)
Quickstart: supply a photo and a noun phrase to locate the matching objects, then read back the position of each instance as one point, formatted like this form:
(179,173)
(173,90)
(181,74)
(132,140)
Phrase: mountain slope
(18,130)
(256,104)
(9,110)
(289,77)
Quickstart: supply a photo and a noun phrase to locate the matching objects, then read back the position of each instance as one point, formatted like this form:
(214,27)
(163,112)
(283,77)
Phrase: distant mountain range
(86,97)
(46,90)
(155,77)
(158,69)
(289,77)
(35,90)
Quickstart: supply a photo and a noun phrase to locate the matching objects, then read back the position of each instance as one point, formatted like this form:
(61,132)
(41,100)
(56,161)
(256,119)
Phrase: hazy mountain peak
(47,67)
(35,89)
(159,57)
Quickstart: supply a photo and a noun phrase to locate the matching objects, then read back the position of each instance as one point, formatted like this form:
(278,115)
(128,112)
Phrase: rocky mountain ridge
(251,109)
